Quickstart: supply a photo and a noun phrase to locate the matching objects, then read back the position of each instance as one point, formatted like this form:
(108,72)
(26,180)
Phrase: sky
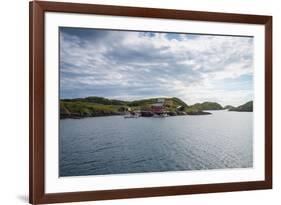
(131,65)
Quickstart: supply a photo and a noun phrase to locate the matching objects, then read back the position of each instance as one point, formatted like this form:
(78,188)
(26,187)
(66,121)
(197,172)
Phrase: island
(228,107)
(247,107)
(152,107)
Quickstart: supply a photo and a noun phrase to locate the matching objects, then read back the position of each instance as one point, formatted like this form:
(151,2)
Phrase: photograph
(152,101)
(133,102)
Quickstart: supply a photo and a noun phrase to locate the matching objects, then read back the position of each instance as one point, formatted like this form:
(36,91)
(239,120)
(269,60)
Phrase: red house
(158,108)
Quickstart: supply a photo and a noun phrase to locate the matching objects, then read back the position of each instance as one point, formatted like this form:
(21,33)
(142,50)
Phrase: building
(158,108)
(124,109)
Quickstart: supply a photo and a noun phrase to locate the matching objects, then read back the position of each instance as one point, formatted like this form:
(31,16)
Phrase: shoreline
(81,117)
(199,113)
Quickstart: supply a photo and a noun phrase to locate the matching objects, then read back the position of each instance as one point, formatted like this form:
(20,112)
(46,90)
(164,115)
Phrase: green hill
(207,106)
(99,106)
(228,107)
(247,107)
(97,100)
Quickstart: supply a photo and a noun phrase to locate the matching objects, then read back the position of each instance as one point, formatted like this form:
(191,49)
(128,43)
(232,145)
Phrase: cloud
(133,65)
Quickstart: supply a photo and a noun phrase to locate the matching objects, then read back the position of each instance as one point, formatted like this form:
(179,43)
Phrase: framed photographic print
(139,102)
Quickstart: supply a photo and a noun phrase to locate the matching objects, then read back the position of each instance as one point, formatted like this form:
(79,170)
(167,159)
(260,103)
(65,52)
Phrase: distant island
(247,107)
(99,106)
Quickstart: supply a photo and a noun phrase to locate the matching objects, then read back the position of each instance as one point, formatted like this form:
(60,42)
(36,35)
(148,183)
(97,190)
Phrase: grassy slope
(98,106)
(82,108)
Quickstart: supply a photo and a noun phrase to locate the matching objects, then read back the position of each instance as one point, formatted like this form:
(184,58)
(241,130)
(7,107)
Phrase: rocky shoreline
(105,114)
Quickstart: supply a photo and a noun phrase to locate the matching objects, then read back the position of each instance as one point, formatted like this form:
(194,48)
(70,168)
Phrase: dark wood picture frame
(37,193)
